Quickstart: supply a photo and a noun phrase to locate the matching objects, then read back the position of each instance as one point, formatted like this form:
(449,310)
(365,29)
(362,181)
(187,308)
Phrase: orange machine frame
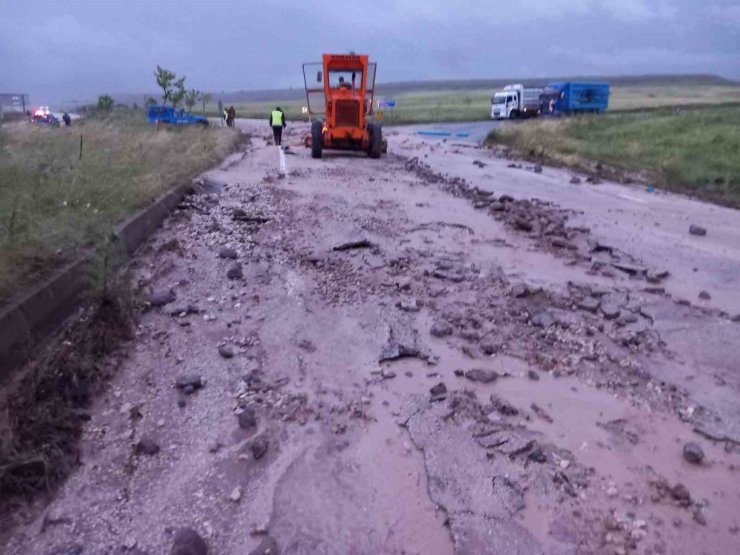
(338,131)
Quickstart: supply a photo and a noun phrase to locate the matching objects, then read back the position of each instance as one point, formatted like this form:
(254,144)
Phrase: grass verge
(42,410)
(52,203)
(692,151)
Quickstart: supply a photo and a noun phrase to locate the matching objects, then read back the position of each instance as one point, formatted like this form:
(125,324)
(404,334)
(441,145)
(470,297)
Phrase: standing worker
(224,115)
(277,122)
(66,119)
(231,116)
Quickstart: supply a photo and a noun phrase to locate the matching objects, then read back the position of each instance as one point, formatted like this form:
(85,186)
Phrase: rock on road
(430,353)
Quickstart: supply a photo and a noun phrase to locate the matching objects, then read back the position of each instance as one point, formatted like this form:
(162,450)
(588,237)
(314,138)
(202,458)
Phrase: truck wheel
(317,139)
(514,114)
(376,140)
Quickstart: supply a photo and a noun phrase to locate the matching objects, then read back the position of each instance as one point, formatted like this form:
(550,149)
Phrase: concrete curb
(31,318)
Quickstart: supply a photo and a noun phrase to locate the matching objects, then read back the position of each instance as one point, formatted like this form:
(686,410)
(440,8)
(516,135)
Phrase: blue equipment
(573,97)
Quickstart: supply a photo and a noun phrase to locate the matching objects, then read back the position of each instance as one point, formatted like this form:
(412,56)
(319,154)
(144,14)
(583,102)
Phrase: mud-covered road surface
(436,352)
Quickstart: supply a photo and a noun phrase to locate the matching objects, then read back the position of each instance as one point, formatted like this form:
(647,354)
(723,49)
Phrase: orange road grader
(340,91)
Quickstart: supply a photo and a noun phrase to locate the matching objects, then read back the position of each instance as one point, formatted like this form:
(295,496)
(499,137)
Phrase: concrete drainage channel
(31,319)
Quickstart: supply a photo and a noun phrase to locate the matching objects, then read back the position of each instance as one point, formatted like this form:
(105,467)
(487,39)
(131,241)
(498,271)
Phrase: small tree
(105,103)
(191,97)
(150,101)
(177,94)
(165,80)
(205,98)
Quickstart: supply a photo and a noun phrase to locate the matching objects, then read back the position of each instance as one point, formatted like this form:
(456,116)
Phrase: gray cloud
(76,49)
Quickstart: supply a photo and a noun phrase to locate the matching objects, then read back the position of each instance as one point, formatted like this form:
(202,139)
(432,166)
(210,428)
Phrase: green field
(52,204)
(475,103)
(692,151)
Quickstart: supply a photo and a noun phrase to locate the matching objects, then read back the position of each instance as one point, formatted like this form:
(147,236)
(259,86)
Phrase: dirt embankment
(374,357)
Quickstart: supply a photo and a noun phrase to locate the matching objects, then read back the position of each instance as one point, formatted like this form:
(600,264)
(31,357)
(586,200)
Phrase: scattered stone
(497,206)
(247,419)
(235,271)
(519,290)
(502,406)
(162,297)
(610,310)
(626,318)
(259,447)
(441,329)
(226,351)
(561,243)
(539,411)
(351,245)
(191,381)
(681,494)
(523,224)
(393,350)
(188,542)
(459,372)
(481,375)
(532,375)
(389,375)
(697,230)
(699,517)
(147,446)
(538,169)
(704,296)
(181,403)
(470,335)
(236,494)
(268,546)
(490,346)
(438,392)
(736,318)
(227,252)
(590,304)
(408,306)
(693,453)
(575,180)
(544,319)
(655,276)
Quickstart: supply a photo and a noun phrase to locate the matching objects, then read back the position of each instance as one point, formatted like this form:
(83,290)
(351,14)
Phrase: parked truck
(173,116)
(573,98)
(515,101)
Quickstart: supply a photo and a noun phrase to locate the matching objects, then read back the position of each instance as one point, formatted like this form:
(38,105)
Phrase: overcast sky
(66,49)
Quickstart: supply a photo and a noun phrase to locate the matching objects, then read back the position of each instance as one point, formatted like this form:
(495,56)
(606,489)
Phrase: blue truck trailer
(572,98)
(172,116)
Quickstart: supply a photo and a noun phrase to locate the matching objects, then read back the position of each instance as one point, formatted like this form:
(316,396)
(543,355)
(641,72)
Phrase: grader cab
(339,91)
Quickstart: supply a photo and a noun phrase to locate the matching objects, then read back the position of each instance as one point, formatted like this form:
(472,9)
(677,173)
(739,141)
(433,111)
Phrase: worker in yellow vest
(277,122)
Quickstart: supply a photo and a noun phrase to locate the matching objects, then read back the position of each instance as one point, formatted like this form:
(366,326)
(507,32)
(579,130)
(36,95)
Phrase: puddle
(626,444)
(389,460)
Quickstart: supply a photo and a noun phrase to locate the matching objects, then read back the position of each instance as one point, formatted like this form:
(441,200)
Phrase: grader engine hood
(339,92)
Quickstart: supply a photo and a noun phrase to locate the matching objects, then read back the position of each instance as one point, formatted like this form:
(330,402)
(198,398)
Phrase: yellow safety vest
(277,118)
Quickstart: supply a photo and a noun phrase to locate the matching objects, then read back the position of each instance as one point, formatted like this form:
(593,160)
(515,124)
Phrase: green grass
(693,151)
(52,204)
(475,104)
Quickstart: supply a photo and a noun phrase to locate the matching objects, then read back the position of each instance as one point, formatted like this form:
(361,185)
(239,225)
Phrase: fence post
(80,146)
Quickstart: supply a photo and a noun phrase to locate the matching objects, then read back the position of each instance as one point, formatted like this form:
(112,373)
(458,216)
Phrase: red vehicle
(341,87)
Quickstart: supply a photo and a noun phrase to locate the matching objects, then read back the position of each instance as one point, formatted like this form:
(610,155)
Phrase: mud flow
(430,353)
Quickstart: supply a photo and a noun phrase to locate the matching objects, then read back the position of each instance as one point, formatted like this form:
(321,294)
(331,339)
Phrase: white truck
(516,102)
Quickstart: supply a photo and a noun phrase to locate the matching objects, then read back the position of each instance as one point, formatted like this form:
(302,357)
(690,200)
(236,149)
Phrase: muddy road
(436,352)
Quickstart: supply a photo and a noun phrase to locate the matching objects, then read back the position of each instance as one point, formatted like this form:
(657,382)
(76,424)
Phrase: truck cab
(503,104)
(515,101)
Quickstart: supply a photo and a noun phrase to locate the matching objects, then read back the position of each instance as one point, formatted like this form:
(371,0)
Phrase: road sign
(390,103)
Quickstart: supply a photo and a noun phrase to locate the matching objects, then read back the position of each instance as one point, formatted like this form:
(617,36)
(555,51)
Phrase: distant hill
(391,88)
